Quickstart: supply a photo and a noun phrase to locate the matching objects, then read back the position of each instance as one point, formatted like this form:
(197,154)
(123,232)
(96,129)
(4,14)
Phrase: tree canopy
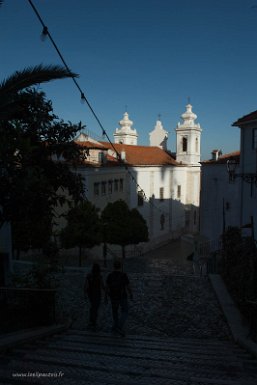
(13,100)
(123,226)
(83,229)
(36,154)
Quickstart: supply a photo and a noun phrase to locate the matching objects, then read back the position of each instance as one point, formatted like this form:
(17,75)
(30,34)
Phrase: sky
(144,56)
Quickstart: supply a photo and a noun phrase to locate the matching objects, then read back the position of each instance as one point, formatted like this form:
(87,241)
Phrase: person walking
(118,288)
(93,287)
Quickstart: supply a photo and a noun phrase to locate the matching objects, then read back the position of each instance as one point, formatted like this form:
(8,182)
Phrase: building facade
(247,172)
(229,187)
(165,190)
(220,197)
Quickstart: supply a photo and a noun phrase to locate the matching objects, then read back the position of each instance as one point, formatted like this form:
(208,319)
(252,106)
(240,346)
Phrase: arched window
(184,144)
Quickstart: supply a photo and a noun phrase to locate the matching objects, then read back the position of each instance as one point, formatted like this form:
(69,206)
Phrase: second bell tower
(188,133)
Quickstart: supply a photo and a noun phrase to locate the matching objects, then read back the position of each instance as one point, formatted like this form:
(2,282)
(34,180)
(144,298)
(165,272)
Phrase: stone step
(172,363)
(221,350)
(175,358)
(92,358)
(119,374)
(228,343)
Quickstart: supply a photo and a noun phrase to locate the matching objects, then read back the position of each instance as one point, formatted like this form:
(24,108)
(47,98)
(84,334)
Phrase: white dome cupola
(125,134)
(188,138)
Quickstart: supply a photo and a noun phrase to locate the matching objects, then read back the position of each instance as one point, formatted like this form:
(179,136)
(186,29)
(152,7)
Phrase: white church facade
(164,187)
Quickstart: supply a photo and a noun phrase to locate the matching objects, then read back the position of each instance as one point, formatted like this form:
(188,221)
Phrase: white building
(220,197)
(247,171)
(228,186)
(165,190)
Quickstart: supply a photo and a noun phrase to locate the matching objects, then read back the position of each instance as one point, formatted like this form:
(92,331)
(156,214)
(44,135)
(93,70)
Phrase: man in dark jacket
(118,288)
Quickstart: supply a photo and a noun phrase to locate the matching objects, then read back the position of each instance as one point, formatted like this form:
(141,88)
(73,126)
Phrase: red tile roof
(143,155)
(246,119)
(235,155)
(91,145)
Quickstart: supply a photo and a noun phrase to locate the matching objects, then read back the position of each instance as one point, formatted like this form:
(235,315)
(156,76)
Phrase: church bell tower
(188,133)
(125,134)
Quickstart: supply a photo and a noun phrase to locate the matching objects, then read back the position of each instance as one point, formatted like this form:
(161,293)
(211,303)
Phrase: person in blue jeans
(118,288)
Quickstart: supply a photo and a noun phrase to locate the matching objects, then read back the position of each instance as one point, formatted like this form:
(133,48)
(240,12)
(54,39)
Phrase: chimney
(216,154)
(123,155)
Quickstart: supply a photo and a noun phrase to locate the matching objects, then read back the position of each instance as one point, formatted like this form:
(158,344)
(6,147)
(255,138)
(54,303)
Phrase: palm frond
(33,75)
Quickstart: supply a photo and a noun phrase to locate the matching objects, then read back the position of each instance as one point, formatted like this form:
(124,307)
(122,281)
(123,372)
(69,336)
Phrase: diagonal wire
(45,32)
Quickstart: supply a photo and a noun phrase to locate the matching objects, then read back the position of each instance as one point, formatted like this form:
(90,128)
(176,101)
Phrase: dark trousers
(93,311)
(122,306)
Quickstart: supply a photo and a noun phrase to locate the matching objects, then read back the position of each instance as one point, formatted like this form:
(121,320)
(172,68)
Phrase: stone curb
(11,340)
(234,318)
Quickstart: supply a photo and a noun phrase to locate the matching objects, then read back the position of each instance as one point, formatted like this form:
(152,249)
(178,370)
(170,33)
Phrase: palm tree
(13,102)
(11,98)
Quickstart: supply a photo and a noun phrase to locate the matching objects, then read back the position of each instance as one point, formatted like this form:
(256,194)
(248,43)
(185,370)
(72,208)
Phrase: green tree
(37,152)
(83,229)
(23,115)
(138,227)
(20,149)
(123,226)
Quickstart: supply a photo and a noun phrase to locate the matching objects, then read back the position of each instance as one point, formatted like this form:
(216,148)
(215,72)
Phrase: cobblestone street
(176,333)
(169,300)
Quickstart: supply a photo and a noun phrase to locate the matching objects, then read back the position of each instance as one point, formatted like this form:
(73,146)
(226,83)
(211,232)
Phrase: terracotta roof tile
(246,119)
(143,155)
(91,145)
(235,155)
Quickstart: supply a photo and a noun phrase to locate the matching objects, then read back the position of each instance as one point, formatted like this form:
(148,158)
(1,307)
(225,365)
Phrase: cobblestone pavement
(169,300)
(176,334)
(81,358)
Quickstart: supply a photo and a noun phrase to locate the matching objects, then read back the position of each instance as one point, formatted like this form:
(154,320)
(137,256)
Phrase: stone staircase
(84,358)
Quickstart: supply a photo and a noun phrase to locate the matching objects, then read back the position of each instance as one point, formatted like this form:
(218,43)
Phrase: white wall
(248,164)
(216,189)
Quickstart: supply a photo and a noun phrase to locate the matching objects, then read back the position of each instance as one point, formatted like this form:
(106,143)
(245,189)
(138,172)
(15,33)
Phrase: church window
(96,189)
(179,191)
(116,185)
(140,198)
(121,184)
(161,194)
(184,144)
(110,186)
(103,188)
